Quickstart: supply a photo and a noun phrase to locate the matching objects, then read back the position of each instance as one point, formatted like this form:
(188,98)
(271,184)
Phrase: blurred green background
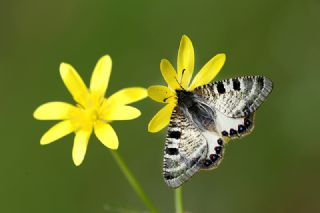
(275,169)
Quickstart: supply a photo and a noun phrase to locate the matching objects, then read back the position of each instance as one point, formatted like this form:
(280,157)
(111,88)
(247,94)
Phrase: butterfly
(204,119)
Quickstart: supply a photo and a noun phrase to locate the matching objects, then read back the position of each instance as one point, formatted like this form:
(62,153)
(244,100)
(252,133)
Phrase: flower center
(86,116)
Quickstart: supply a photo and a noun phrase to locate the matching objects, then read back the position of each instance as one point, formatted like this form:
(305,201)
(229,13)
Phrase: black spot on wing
(214,157)
(172,151)
(207,163)
(224,133)
(220,88)
(236,84)
(247,122)
(174,134)
(260,81)
(233,132)
(246,109)
(168,176)
(241,128)
(218,149)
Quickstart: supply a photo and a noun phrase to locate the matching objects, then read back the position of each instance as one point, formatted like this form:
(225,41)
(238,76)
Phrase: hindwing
(234,127)
(188,149)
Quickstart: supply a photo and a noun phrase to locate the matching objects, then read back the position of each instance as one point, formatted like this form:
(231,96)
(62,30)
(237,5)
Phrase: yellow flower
(180,80)
(93,111)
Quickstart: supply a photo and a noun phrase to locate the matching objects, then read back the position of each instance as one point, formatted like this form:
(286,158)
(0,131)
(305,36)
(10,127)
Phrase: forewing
(236,97)
(185,150)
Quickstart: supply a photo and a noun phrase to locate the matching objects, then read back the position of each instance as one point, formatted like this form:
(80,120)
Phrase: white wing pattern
(185,149)
(236,97)
(235,101)
(234,127)
(188,149)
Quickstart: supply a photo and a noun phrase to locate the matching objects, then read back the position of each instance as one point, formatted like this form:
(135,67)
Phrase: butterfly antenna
(179,84)
(181,79)
(165,99)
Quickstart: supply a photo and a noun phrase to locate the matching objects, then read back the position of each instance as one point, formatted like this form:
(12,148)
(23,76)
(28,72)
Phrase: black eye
(224,133)
(220,141)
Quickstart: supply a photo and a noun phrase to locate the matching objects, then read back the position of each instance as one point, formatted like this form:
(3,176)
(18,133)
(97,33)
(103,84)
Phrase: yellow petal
(100,76)
(128,95)
(208,71)
(121,112)
(74,83)
(106,135)
(161,119)
(161,94)
(80,145)
(185,61)
(169,74)
(54,111)
(56,132)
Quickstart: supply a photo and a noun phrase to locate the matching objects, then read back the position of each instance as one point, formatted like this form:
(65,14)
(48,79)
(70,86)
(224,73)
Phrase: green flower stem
(178,200)
(133,182)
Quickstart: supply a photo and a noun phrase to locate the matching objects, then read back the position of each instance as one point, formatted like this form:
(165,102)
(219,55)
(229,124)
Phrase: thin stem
(178,200)
(133,182)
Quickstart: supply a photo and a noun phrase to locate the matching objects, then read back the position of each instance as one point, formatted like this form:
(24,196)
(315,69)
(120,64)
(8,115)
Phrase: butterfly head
(185,98)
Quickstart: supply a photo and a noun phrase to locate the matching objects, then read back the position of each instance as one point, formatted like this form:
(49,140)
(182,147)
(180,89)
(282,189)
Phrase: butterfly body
(202,121)
(195,108)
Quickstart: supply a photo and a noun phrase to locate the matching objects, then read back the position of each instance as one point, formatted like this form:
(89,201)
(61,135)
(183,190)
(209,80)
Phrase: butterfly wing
(188,149)
(237,97)
(185,149)
(215,150)
(235,101)
(234,127)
